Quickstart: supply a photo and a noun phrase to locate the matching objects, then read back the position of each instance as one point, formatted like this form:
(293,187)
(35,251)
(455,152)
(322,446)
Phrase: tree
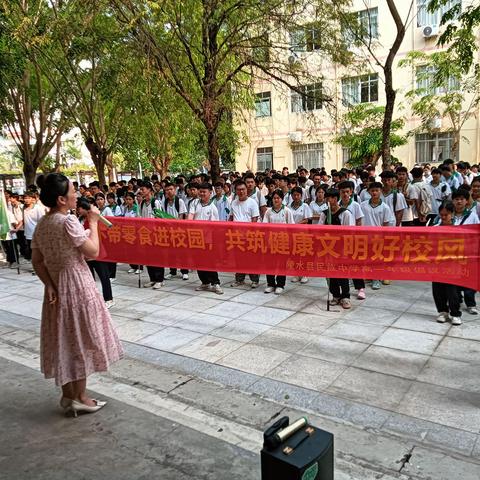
(84,57)
(29,106)
(386,64)
(362,133)
(460,36)
(210,52)
(442,91)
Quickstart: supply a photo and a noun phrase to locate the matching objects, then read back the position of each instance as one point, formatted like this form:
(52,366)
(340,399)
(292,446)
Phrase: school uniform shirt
(18,214)
(146,208)
(130,213)
(475,208)
(116,210)
(171,210)
(107,211)
(469,217)
(354,208)
(376,216)
(287,199)
(31,216)
(12,222)
(182,194)
(207,212)
(453,182)
(440,193)
(244,211)
(317,209)
(188,204)
(223,207)
(258,197)
(346,218)
(412,193)
(301,212)
(401,203)
(284,215)
(364,196)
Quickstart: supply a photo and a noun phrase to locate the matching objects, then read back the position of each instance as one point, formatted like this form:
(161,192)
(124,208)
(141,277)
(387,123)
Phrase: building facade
(288,129)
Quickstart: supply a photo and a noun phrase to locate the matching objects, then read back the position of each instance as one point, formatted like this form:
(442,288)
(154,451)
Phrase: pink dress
(77,336)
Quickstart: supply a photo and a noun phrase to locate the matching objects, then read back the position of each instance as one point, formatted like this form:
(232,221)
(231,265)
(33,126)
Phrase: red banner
(442,254)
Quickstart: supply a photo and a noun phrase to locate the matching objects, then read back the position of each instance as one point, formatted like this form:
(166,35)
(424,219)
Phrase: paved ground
(385,366)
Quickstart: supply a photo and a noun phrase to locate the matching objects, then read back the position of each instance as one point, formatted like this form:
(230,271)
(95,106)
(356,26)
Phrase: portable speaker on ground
(297,452)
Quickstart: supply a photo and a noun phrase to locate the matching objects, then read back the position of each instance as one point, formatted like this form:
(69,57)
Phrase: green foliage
(442,91)
(460,33)
(362,133)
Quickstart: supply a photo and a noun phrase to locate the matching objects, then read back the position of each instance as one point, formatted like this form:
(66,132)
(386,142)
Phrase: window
(363,26)
(362,89)
(425,82)
(264,158)
(263,104)
(424,17)
(310,99)
(345,155)
(433,147)
(308,155)
(305,38)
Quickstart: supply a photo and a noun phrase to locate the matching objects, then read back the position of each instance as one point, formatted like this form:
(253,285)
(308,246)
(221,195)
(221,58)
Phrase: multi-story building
(288,129)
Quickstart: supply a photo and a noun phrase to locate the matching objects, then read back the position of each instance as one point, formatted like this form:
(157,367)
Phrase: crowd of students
(424,196)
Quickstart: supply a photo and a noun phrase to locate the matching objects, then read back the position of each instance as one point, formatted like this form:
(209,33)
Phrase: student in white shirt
(377,214)
(32,213)
(336,215)
(130,210)
(445,295)
(278,213)
(301,214)
(394,199)
(255,193)
(312,189)
(475,195)
(204,209)
(113,205)
(440,192)
(451,178)
(320,204)
(409,192)
(244,209)
(220,200)
(462,215)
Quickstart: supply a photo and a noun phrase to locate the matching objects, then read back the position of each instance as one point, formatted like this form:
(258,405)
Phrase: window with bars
(426,85)
(362,89)
(305,38)
(362,27)
(433,147)
(424,17)
(308,155)
(310,99)
(263,104)
(264,158)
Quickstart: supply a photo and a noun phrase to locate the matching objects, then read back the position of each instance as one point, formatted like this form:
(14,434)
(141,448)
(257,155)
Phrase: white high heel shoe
(76,407)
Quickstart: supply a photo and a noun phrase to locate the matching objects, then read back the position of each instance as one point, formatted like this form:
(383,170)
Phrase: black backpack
(176,202)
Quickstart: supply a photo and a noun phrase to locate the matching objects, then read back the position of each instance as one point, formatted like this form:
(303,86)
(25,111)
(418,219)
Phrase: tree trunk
(58,157)
(387,119)
(29,170)
(455,144)
(161,164)
(213,153)
(110,167)
(99,158)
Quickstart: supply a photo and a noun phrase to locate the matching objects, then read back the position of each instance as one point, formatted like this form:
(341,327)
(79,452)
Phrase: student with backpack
(422,207)
(394,199)
(440,192)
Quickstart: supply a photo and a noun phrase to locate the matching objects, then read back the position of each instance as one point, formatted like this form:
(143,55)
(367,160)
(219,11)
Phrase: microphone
(85,204)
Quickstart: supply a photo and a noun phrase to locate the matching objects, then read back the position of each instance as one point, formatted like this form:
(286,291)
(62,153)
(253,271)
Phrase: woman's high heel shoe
(76,407)
(65,402)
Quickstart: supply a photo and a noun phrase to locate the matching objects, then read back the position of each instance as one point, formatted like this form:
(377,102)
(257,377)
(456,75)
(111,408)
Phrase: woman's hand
(51,293)
(93,214)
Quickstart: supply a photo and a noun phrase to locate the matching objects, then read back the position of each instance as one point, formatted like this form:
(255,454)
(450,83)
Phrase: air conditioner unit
(430,31)
(295,137)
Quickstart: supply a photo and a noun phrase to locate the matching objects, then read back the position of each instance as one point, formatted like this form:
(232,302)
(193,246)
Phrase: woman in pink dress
(77,336)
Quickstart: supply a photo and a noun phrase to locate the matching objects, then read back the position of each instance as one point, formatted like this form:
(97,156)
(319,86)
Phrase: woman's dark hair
(83,203)
(52,186)
(278,193)
(99,195)
(447,205)
(130,194)
(297,190)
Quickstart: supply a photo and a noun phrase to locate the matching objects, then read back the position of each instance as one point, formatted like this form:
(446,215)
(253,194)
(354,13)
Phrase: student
(312,189)
(395,200)
(175,207)
(147,210)
(32,213)
(130,210)
(336,215)
(9,244)
(475,195)
(409,192)
(271,187)
(422,208)
(462,215)
(204,209)
(277,213)
(106,211)
(320,204)
(192,194)
(377,214)
(244,209)
(102,269)
(112,204)
(180,185)
(301,215)
(451,179)
(220,200)
(440,192)
(255,193)
(446,296)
